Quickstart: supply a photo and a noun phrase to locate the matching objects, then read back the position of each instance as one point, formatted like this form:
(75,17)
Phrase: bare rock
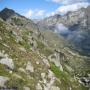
(3,80)
(38,87)
(26,88)
(46,62)
(54,88)
(30,67)
(6,61)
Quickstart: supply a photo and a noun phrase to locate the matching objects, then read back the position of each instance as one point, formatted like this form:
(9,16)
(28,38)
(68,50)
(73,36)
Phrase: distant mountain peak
(8,9)
(7,13)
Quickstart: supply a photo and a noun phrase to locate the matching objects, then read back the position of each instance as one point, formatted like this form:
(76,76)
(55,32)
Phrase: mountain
(74,26)
(7,13)
(32,58)
(15,19)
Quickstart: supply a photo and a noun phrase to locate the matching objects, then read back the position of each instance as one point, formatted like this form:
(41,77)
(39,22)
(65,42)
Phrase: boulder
(29,67)
(3,80)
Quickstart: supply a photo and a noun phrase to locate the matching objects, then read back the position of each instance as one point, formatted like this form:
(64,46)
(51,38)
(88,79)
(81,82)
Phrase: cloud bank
(63,9)
(66,2)
(65,6)
(29,13)
(34,13)
(73,7)
(61,29)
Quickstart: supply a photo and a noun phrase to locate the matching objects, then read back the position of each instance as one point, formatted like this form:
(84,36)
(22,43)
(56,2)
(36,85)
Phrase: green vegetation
(60,74)
(3,71)
(2,27)
(17,21)
(43,49)
(16,82)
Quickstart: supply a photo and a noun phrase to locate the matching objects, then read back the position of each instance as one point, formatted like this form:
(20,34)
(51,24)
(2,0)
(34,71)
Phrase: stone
(22,49)
(38,87)
(55,58)
(10,72)
(49,84)
(22,70)
(26,88)
(5,45)
(37,63)
(30,67)
(54,88)
(8,62)
(43,75)
(3,80)
(50,74)
(0,38)
(46,62)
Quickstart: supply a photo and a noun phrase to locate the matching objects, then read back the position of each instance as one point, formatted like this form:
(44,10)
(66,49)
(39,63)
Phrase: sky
(36,9)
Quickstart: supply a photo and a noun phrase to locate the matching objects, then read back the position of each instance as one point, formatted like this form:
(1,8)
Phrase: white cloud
(73,7)
(66,2)
(66,8)
(60,28)
(29,13)
(34,13)
(40,13)
(50,14)
(67,5)
(57,1)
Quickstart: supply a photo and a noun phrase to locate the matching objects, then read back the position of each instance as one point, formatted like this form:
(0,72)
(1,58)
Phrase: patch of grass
(64,78)
(43,49)
(40,45)
(60,74)
(17,21)
(47,51)
(2,26)
(3,71)
(16,82)
(25,44)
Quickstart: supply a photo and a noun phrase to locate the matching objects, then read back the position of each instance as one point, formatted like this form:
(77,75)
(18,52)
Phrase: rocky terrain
(32,58)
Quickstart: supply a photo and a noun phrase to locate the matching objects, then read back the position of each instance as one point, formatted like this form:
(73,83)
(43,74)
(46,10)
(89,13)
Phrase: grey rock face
(6,61)
(85,81)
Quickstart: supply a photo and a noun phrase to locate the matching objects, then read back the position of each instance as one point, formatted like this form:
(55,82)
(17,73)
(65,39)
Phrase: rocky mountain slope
(74,26)
(33,59)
